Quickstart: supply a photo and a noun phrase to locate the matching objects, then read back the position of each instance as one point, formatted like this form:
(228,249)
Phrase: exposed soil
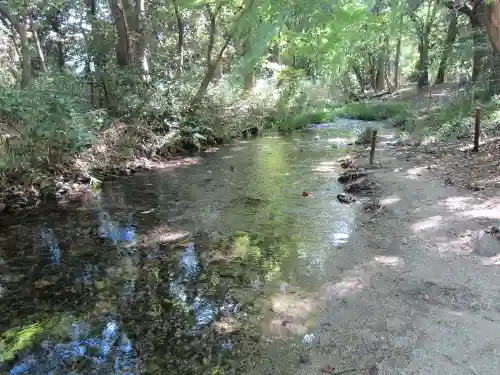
(418,301)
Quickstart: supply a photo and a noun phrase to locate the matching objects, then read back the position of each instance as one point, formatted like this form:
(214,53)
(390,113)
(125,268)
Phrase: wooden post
(477,129)
(374,143)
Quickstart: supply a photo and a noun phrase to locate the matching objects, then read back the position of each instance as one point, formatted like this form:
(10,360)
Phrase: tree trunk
(396,63)
(25,55)
(39,52)
(451,35)
(379,77)
(494,78)
(55,24)
(479,48)
(373,71)
(180,36)
(248,82)
(123,56)
(423,61)
(359,77)
(398,53)
(141,39)
(213,65)
(488,14)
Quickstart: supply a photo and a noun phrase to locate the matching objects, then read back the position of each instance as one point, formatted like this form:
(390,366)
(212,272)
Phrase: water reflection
(111,352)
(115,301)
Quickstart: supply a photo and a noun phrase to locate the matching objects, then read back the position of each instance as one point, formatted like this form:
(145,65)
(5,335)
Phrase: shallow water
(205,267)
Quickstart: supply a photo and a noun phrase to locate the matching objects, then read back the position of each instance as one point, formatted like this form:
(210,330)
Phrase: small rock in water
(350,175)
(316,138)
(346,162)
(346,198)
(371,205)
(358,185)
(373,370)
(494,230)
(305,357)
(487,245)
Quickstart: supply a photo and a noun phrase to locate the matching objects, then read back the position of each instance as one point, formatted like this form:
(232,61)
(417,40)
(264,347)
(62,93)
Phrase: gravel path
(416,301)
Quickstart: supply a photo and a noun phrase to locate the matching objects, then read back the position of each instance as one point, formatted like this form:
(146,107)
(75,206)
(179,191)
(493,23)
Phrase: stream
(204,267)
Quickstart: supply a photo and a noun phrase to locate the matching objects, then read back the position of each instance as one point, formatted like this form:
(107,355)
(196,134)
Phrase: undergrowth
(54,130)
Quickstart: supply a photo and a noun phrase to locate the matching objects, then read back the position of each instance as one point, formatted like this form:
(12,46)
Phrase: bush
(45,125)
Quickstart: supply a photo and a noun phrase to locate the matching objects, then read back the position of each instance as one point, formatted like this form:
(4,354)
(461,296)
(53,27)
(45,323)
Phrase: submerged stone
(486,245)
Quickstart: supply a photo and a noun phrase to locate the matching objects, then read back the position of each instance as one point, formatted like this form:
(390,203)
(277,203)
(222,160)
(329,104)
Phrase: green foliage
(372,111)
(46,124)
(456,120)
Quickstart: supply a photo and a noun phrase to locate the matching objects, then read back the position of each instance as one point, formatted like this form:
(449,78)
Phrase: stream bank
(419,299)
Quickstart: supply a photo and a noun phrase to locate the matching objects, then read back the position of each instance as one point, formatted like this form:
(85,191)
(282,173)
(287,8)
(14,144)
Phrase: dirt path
(417,302)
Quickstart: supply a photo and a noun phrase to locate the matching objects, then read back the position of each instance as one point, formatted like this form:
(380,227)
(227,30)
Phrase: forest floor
(421,301)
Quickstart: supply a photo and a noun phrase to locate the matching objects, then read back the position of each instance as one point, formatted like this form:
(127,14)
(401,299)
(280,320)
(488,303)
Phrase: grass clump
(373,111)
(311,117)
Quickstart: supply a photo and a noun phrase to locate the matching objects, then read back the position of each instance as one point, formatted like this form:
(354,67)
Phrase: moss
(16,340)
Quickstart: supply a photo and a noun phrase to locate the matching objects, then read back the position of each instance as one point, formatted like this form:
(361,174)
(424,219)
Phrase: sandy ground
(417,301)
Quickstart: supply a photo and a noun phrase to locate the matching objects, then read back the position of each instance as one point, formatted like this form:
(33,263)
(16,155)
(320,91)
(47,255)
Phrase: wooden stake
(374,143)
(477,128)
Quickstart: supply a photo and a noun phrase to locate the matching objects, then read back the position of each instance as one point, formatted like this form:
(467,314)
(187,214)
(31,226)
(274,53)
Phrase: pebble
(305,357)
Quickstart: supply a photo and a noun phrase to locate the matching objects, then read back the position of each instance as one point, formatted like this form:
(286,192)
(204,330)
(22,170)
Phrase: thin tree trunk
(248,76)
(398,53)
(396,63)
(451,35)
(379,76)
(180,36)
(41,58)
(479,45)
(123,56)
(359,77)
(26,56)
(423,62)
(212,65)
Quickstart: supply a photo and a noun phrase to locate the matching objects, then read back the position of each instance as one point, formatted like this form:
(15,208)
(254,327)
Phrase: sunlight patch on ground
(180,163)
(430,223)
(326,167)
(238,148)
(416,171)
(457,203)
(492,213)
(339,140)
(350,284)
(212,149)
(390,200)
(227,157)
(444,244)
(390,261)
(293,315)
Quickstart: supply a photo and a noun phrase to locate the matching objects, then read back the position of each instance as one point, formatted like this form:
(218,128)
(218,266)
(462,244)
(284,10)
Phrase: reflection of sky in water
(111,353)
(203,309)
(113,231)
(49,241)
